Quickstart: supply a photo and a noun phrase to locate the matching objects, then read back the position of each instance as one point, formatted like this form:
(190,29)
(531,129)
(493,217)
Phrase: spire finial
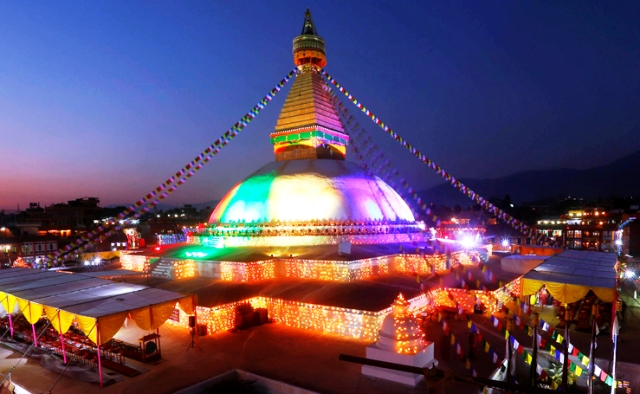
(308,47)
(308,28)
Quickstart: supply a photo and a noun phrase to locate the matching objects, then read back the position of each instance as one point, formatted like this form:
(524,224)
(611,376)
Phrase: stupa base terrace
(346,295)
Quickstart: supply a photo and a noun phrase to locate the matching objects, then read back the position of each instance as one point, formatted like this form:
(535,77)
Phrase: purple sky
(108,99)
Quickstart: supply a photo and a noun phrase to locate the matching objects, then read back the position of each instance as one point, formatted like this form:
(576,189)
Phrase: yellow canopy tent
(568,276)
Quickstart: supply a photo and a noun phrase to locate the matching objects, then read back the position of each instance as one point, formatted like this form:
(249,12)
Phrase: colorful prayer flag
(578,371)
(585,361)
(596,370)
(529,359)
(559,338)
(552,351)
(486,347)
(453,339)
(495,357)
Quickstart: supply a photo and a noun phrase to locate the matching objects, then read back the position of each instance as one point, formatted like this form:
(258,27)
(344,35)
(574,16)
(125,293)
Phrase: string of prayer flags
(178,179)
(516,224)
(559,339)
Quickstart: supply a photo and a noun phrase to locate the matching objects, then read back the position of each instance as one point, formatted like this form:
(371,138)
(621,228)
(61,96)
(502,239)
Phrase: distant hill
(620,178)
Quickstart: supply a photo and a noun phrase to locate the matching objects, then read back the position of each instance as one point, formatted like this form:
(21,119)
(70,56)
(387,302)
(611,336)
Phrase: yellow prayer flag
(585,361)
(469,323)
(578,371)
(487,347)
(506,335)
(552,351)
(467,364)
(453,339)
(559,338)
(529,359)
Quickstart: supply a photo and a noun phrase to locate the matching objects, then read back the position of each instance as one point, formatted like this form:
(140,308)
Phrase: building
(29,250)
(583,229)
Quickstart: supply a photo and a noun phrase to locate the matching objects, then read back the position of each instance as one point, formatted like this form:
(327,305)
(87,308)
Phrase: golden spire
(309,126)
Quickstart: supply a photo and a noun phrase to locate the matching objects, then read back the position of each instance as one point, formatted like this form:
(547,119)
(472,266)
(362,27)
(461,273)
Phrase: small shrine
(401,341)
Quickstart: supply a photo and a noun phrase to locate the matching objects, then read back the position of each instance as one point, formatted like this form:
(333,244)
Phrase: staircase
(162,269)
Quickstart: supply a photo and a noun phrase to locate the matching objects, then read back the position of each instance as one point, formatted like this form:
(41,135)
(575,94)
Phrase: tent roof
(80,294)
(576,267)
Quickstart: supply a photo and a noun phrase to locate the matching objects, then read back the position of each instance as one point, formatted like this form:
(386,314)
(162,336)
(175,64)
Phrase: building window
(578,234)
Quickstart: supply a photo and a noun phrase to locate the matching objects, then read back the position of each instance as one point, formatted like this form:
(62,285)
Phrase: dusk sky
(110,98)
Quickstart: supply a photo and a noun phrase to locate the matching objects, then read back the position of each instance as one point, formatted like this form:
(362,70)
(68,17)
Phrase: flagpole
(509,351)
(565,350)
(594,324)
(615,329)
(534,359)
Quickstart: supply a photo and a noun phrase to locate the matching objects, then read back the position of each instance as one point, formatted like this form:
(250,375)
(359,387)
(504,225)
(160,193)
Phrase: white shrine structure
(401,342)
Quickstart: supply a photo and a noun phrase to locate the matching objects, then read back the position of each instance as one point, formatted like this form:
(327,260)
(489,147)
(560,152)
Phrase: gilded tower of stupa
(308,126)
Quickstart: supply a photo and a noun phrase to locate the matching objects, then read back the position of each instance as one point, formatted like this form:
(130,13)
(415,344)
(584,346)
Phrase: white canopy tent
(98,306)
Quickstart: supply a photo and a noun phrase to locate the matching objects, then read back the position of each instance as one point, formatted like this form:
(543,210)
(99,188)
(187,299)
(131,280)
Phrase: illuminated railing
(345,322)
(134,262)
(300,240)
(184,269)
(247,272)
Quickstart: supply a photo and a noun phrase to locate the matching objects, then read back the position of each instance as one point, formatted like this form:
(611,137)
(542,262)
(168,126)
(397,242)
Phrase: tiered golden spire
(309,126)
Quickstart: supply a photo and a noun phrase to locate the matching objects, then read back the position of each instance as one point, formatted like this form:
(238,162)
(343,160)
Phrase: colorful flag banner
(178,179)
(448,177)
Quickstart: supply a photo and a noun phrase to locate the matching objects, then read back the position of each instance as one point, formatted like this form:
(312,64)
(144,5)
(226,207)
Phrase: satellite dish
(150,347)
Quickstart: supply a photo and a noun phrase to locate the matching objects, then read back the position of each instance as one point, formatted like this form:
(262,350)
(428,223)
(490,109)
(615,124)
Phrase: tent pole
(35,337)
(195,314)
(99,361)
(64,353)
(11,325)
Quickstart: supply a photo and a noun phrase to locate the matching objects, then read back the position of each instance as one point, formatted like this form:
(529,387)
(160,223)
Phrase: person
(544,297)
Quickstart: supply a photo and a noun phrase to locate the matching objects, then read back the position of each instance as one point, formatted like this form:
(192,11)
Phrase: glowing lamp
(468,242)
(505,242)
